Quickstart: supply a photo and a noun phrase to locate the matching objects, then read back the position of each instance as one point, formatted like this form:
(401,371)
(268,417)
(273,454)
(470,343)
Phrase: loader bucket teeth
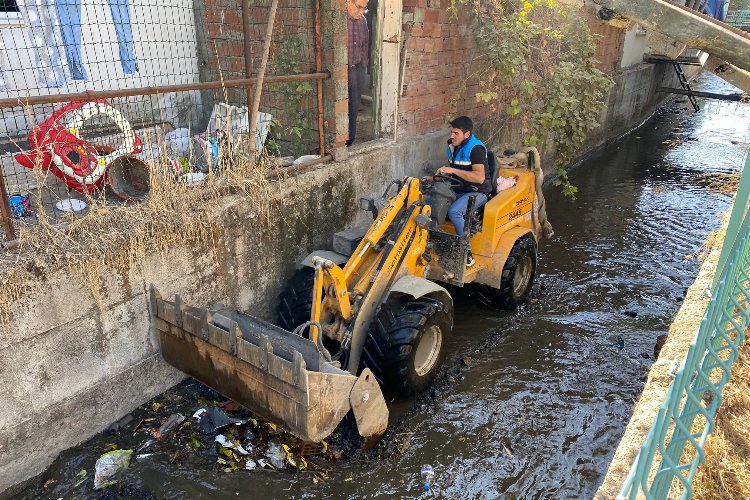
(369,408)
(279,376)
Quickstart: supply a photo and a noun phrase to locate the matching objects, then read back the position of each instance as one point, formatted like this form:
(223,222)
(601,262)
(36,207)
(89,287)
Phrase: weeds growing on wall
(297,113)
(537,75)
(119,236)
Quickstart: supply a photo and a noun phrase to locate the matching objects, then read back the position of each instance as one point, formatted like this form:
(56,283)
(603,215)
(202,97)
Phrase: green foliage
(297,115)
(538,74)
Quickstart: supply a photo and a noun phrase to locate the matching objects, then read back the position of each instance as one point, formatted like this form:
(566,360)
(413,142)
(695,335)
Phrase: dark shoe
(470,259)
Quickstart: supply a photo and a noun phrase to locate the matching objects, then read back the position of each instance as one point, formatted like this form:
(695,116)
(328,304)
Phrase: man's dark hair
(462,122)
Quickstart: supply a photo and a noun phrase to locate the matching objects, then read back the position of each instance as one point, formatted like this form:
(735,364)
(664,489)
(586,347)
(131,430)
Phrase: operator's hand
(444,171)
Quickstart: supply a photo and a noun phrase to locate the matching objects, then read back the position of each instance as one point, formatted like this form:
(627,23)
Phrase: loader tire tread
(295,302)
(505,297)
(393,337)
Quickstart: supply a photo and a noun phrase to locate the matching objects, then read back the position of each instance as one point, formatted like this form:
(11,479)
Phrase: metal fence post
(10,230)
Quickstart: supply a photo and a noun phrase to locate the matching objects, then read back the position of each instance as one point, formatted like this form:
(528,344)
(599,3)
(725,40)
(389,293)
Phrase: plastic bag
(276,455)
(108,465)
(504,183)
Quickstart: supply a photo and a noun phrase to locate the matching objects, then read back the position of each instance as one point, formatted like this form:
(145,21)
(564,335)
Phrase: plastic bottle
(427,474)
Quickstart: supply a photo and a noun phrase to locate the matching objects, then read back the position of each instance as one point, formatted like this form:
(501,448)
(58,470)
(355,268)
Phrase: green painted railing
(738,18)
(686,417)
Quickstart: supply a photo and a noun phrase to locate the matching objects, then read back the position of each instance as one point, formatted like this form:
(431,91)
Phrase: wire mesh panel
(56,155)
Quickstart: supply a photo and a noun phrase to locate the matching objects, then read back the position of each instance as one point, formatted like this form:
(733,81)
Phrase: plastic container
(20,204)
(234,121)
(129,178)
(427,473)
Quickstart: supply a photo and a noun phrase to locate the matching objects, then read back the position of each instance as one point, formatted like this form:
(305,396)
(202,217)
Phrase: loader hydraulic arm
(328,277)
(393,247)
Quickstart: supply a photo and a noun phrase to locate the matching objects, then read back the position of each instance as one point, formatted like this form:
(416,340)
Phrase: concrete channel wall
(70,369)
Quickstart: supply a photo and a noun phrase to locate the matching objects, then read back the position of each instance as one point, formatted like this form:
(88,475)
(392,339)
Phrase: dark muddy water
(544,402)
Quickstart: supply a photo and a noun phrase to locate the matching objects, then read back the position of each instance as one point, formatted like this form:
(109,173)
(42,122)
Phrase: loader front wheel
(295,302)
(517,277)
(406,343)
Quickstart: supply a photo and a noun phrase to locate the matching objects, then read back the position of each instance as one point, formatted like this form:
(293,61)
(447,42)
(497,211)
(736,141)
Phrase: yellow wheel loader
(370,313)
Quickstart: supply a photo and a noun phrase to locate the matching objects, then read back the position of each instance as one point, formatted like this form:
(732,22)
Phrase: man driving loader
(467,157)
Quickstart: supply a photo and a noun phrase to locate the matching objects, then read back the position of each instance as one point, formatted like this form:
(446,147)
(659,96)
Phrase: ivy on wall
(297,114)
(537,72)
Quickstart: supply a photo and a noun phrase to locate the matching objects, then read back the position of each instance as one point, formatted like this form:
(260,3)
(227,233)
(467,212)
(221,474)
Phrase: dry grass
(119,236)
(721,183)
(713,239)
(725,472)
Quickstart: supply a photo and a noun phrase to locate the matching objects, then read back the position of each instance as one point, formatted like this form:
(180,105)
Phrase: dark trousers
(357,78)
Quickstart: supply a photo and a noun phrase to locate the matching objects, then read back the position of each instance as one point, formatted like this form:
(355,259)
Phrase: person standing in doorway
(359,43)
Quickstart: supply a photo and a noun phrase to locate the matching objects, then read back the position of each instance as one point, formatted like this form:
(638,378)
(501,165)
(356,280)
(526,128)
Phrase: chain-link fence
(95,93)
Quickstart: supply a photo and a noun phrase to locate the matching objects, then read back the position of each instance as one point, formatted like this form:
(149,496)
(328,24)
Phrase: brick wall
(439,49)
(224,54)
(439,58)
(609,41)
(437,46)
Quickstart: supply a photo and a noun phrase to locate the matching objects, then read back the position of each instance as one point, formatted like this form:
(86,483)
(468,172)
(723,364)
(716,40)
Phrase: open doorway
(378,107)
(366,121)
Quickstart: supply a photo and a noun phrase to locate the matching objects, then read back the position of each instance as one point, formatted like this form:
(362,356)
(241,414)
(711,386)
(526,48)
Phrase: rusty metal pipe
(297,169)
(319,83)
(10,230)
(13,102)
(246,46)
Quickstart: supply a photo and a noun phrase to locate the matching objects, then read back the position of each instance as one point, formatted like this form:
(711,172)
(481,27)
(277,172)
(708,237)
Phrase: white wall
(165,48)
(634,46)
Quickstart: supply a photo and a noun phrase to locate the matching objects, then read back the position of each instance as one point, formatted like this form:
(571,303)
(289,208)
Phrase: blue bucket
(20,205)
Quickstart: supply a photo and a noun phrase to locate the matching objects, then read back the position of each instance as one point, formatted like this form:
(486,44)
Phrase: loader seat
(494,171)
(476,221)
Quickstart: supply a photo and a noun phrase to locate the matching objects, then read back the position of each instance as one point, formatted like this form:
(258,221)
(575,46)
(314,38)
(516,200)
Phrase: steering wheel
(451,181)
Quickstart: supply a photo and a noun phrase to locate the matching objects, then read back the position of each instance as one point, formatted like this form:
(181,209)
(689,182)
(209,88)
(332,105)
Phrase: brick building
(421,54)
(419,58)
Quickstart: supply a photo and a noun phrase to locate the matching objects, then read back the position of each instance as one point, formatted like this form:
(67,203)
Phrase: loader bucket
(274,373)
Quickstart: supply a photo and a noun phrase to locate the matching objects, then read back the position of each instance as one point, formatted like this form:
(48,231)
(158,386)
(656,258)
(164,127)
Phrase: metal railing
(739,19)
(686,417)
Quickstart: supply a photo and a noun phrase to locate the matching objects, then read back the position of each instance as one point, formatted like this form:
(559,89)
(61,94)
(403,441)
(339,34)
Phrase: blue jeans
(457,210)
(357,79)
(69,12)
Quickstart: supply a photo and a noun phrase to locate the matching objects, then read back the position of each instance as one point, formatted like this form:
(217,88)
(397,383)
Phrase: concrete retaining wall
(69,370)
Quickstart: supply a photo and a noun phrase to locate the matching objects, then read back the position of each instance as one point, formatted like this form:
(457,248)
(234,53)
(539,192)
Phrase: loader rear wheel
(517,277)
(295,302)
(406,344)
